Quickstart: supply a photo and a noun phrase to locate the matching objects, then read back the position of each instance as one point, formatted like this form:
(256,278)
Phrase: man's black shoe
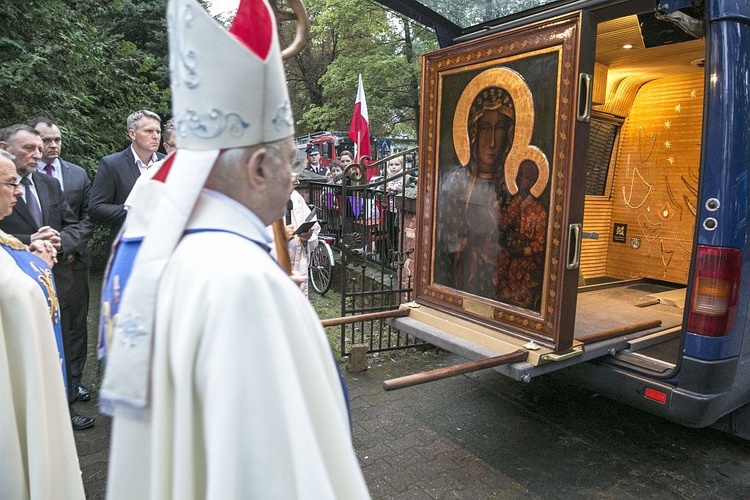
(80,422)
(82,394)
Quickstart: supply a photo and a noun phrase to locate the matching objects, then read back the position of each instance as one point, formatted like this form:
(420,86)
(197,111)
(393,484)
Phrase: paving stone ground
(483,436)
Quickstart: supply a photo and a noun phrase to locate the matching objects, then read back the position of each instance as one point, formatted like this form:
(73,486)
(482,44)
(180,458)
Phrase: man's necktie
(48,169)
(31,202)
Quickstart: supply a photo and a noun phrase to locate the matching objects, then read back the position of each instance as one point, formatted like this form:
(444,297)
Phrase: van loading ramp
(634,320)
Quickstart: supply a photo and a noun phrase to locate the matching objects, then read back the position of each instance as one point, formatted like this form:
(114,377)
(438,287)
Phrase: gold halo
(514,160)
(523,103)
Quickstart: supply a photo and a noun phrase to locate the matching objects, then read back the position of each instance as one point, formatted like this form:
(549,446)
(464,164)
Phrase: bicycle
(320,263)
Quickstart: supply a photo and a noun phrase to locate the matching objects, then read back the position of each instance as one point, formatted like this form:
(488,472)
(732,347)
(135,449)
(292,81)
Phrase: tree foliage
(86,65)
(349,37)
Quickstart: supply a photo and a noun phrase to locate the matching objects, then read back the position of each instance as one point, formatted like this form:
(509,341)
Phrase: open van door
(503,139)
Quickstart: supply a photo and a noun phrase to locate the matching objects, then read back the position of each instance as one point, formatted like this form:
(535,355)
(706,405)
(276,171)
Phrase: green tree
(59,61)
(349,37)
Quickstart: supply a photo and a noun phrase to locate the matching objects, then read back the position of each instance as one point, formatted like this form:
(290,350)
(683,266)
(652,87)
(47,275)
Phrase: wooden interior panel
(656,180)
(629,69)
(597,218)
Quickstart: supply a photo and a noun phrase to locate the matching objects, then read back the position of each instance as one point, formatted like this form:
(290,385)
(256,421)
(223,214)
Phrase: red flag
(359,130)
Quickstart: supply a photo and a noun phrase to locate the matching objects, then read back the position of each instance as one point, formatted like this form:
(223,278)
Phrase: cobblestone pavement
(483,436)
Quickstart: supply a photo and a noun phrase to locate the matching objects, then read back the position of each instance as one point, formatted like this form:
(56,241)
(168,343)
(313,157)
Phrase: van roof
(453,19)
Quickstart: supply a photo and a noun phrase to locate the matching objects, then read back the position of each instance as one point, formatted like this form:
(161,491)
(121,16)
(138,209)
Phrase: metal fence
(367,219)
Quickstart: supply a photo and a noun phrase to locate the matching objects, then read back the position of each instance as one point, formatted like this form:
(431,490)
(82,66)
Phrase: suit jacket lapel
(65,173)
(22,209)
(43,195)
(130,158)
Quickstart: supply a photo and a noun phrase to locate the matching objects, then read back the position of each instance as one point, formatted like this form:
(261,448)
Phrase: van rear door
(500,230)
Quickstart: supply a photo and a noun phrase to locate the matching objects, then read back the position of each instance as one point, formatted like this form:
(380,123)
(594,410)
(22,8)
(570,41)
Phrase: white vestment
(298,249)
(245,397)
(39,459)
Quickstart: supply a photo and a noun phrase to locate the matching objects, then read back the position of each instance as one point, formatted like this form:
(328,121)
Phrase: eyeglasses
(13,185)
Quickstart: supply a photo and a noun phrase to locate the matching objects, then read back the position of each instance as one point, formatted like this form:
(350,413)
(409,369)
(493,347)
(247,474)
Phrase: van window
(602,138)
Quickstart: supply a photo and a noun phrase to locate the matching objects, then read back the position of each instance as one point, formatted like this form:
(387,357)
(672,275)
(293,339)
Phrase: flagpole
(359,143)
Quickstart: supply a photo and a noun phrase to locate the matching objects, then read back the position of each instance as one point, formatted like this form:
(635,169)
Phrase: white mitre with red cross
(228,91)
(221,98)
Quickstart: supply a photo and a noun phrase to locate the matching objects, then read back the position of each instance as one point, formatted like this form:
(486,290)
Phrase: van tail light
(716,286)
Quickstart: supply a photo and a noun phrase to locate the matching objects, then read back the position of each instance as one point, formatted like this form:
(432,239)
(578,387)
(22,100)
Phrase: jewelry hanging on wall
(683,250)
(650,230)
(690,206)
(693,176)
(693,189)
(628,197)
(671,195)
(665,261)
(651,138)
(666,212)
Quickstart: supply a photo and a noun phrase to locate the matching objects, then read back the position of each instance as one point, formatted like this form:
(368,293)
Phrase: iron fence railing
(367,219)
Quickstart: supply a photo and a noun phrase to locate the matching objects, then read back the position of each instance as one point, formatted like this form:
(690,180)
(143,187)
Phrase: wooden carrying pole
(346,320)
(452,371)
(299,14)
(282,248)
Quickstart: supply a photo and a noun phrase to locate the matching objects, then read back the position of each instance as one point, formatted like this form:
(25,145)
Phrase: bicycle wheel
(320,268)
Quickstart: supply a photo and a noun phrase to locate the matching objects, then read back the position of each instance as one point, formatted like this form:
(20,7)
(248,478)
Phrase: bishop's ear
(257,167)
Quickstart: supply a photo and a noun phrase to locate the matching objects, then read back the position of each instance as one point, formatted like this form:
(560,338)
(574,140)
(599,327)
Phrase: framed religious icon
(501,198)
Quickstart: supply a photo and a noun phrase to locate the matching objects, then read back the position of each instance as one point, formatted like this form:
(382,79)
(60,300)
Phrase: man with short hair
(75,184)
(118,172)
(43,214)
(211,343)
(315,166)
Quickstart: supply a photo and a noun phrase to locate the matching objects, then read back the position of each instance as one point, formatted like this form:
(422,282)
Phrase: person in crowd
(395,184)
(393,187)
(300,244)
(168,139)
(521,263)
(39,453)
(75,184)
(118,172)
(334,173)
(346,159)
(315,166)
(219,374)
(43,214)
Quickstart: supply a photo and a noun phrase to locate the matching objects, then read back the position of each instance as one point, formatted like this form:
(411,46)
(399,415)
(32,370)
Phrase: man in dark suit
(75,184)
(43,214)
(118,172)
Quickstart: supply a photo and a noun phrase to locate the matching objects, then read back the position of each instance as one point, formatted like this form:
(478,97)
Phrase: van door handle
(574,246)
(585,90)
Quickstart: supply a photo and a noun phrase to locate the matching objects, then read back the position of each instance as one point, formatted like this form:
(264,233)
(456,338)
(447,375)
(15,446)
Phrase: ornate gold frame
(506,60)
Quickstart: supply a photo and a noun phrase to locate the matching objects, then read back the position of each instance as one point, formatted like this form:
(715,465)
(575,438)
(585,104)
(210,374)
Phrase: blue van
(583,197)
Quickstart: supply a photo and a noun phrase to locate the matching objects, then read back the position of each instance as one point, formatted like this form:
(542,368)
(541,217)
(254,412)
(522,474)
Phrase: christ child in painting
(520,266)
